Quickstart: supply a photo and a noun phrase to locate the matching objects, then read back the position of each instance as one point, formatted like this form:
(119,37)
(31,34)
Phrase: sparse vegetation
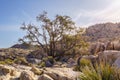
(83,63)
(42,64)
(21,60)
(100,72)
(7,61)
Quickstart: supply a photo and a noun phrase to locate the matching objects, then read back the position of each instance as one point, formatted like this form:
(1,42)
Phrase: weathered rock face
(113,45)
(4,71)
(116,45)
(109,45)
(45,77)
(96,47)
(25,76)
(48,63)
(33,60)
(109,55)
(55,76)
(117,62)
(71,62)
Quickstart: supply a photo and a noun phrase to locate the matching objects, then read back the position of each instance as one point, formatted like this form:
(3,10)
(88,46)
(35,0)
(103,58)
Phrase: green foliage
(7,61)
(58,35)
(2,62)
(83,63)
(21,60)
(100,72)
(42,64)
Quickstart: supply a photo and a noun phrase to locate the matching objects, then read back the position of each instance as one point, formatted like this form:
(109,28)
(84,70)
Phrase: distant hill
(105,31)
(21,46)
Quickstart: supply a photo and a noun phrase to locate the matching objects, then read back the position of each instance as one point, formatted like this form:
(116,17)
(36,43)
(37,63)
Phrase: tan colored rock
(109,45)
(63,78)
(45,77)
(53,75)
(113,45)
(62,73)
(25,76)
(4,70)
(12,73)
(36,71)
(96,47)
(116,44)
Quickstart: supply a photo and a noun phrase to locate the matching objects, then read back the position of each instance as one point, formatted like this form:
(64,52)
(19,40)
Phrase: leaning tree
(55,36)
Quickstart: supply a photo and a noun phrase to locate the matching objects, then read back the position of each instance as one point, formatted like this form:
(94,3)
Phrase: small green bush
(2,62)
(83,63)
(7,61)
(21,60)
(42,64)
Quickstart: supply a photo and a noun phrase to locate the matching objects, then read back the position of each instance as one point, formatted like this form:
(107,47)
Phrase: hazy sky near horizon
(84,12)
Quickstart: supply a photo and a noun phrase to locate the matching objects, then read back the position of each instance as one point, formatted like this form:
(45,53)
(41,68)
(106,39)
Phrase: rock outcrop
(109,56)
(104,32)
(4,70)
(117,62)
(97,47)
(25,76)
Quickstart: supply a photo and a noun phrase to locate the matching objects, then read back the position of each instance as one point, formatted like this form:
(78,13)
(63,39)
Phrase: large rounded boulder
(109,56)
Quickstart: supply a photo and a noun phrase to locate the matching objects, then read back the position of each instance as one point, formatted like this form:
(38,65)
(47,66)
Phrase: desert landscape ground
(59,39)
(23,62)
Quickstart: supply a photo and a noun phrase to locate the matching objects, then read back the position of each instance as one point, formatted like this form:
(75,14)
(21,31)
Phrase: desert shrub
(21,60)
(100,72)
(49,58)
(7,61)
(47,61)
(2,62)
(83,63)
(42,64)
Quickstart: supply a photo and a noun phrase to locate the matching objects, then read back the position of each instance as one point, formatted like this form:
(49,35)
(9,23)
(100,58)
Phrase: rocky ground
(20,72)
(24,64)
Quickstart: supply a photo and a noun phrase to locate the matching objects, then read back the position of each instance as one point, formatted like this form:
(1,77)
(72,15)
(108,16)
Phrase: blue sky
(84,12)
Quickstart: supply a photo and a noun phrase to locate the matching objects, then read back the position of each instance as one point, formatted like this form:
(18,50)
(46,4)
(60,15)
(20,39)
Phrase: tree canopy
(53,36)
